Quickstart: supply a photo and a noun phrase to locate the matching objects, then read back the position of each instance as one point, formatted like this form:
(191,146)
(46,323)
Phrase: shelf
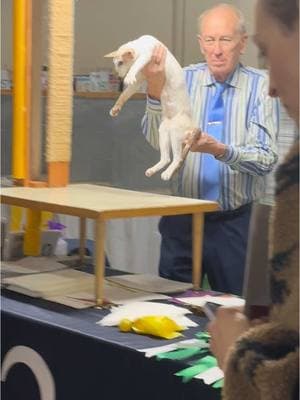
(6,91)
(89,95)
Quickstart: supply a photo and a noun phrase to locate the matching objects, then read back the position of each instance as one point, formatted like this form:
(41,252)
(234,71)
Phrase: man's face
(221,43)
(281,51)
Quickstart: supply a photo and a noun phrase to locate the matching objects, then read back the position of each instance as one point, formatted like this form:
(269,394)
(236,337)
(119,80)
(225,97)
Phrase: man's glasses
(224,41)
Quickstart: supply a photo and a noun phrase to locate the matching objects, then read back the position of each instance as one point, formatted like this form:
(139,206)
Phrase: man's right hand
(154,72)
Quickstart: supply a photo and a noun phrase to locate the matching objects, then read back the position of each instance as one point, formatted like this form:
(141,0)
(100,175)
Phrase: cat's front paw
(114,111)
(130,79)
(149,172)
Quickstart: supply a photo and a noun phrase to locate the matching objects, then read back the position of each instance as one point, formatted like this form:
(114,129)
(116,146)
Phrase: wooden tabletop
(92,201)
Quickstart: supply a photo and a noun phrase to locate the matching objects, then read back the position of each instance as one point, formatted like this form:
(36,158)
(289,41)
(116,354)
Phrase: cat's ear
(112,54)
(128,55)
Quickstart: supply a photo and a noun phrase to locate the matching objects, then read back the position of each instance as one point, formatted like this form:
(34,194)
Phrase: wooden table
(102,203)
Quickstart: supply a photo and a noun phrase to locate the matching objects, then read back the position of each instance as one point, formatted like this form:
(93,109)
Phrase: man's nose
(217,47)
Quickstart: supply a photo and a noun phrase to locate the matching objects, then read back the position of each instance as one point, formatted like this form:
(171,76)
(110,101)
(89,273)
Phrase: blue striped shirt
(250,130)
(288,134)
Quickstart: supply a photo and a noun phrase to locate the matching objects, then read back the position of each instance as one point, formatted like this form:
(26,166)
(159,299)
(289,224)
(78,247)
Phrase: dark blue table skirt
(88,361)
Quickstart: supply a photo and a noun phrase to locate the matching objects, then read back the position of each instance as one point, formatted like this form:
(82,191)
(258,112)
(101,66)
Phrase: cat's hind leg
(165,150)
(176,146)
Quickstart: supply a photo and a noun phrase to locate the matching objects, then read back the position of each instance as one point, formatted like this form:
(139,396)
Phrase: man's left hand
(207,144)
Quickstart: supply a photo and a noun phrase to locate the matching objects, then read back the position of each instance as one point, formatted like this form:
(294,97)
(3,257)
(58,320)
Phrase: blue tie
(210,187)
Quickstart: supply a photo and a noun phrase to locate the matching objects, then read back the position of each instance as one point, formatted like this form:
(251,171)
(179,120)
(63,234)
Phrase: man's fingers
(192,136)
(159,55)
(162,54)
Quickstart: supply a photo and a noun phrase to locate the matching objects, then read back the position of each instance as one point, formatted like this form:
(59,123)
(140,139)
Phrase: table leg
(99,260)
(32,233)
(82,238)
(198,225)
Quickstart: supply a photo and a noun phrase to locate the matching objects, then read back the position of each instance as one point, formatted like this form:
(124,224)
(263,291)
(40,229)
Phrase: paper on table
(139,309)
(29,265)
(73,288)
(231,301)
(116,295)
(74,302)
(152,351)
(211,375)
(50,284)
(150,283)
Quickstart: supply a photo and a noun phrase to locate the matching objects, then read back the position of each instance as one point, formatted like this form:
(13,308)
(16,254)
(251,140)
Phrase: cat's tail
(193,135)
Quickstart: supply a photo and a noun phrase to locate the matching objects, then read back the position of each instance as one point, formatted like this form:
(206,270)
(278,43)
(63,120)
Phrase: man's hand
(154,72)
(207,144)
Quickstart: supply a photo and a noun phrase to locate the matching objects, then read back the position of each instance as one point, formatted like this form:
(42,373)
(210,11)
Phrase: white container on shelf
(99,81)
(61,248)
(82,83)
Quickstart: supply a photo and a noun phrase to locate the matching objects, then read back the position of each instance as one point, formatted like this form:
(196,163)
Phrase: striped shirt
(250,130)
(287,135)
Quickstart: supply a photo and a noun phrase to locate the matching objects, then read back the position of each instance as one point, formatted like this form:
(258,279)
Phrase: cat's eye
(120,63)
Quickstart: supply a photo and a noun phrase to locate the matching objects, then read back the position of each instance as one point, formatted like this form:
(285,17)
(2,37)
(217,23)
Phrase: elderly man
(238,120)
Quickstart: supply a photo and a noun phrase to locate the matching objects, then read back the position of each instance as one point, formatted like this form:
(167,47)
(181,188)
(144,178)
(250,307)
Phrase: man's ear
(200,44)
(128,55)
(112,54)
(243,44)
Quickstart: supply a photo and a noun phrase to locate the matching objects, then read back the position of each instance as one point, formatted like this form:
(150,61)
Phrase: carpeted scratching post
(60,91)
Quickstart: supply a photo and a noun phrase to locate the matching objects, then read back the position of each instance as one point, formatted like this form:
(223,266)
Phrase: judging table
(52,352)
(102,203)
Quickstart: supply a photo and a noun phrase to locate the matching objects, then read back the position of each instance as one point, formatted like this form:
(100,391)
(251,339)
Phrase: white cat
(129,60)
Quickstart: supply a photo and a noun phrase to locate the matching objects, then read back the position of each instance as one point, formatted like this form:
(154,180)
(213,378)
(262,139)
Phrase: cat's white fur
(129,60)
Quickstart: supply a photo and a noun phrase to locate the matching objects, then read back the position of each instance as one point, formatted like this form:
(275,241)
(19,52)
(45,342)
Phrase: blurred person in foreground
(260,358)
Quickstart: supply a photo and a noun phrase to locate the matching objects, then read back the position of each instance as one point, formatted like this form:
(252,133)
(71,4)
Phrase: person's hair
(240,16)
(285,11)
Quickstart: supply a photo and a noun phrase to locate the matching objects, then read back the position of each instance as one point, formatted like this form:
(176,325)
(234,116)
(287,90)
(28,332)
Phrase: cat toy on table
(177,123)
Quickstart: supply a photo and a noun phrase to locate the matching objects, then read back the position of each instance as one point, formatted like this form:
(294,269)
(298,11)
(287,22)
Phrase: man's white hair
(240,16)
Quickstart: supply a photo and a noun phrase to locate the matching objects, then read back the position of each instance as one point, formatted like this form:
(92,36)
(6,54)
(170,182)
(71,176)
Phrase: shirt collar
(232,80)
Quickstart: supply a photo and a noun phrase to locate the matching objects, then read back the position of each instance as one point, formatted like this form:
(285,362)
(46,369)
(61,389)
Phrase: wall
(114,151)
(193,8)
(102,25)
(104,149)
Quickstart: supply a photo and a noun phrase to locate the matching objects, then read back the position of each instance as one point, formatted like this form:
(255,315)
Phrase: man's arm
(154,73)
(151,122)
(258,154)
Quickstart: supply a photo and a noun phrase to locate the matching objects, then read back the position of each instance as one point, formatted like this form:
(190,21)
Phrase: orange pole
(19,139)
(32,234)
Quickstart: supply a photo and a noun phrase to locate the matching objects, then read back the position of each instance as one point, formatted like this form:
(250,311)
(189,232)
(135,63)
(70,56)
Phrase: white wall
(6,34)
(251,55)
(193,8)
(102,25)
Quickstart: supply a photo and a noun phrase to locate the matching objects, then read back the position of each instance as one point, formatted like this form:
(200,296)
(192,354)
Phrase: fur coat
(263,364)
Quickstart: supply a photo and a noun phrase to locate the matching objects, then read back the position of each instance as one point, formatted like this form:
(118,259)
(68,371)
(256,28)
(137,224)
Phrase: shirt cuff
(230,156)
(153,104)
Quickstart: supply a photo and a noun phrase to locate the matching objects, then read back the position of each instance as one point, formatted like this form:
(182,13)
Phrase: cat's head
(123,58)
